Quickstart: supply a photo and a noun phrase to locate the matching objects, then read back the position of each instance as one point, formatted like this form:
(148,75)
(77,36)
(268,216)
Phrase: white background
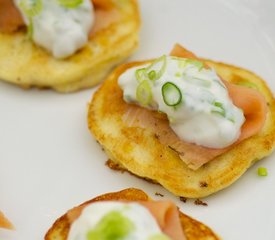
(49,162)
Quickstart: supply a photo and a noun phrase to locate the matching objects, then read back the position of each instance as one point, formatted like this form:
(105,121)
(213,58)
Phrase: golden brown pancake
(193,229)
(27,65)
(139,150)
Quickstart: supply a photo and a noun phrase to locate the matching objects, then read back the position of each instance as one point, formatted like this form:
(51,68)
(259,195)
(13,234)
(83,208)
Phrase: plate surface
(49,162)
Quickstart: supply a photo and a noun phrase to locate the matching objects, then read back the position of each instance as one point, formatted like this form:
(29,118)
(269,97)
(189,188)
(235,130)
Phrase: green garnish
(113,226)
(248,84)
(144,93)
(70,3)
(178,74)
(153,71)
(31,8)
(157,68)
(231,119)
(182,63)
(221,110)
(159,236)
(199,65)
(262,172)
(171,94)
(201,82)
(140,74)
(152,75)
(30,28)
(177,58)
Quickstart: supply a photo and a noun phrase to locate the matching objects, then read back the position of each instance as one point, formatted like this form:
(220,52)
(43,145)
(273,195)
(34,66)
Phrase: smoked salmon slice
(103,19)
(165,212)
(249,100)
(105,15)
(167,216)
(11,19)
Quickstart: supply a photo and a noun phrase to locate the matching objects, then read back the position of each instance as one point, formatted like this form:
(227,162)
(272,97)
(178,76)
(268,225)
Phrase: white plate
(49,162)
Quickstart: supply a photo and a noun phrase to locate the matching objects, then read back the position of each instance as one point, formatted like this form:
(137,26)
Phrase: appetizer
(4,222)
(192,125)
(66,45)
(125,215)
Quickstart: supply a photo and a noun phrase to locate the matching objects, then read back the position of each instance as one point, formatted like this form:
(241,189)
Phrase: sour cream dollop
(61,29)
(115,220)
(194,98)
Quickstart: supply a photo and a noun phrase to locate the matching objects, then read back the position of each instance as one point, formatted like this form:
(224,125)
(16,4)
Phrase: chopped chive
(221,110)
(70,3)
(152,75)
(217,112)
(262,172)
(231,119)
(144,93)
(171,94)
(178,74)
(140,74)
(176,58)
(159,236)
(202,82)
(182,63)
(158,66)
(199,65)
(30,29)
(31,8)
(218,104)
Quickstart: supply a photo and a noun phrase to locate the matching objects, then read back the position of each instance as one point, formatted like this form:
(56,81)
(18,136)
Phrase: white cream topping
(60,30)
(194,98)
(144,224)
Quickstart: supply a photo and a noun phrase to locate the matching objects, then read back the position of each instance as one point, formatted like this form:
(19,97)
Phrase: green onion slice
(144,93)
(231,119)
(199,65)
(30,28)
(177,58)
(262,171)
(248,84)
(160,236)
(171,94)
(202,82)
(221,110)
(152,75)
(140,74)
(31,7)
(182,63)
(157,68)
(178,74)
(70,3)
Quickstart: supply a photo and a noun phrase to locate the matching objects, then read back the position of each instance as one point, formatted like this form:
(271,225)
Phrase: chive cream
(115,220)
(194,98)
(61,27)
